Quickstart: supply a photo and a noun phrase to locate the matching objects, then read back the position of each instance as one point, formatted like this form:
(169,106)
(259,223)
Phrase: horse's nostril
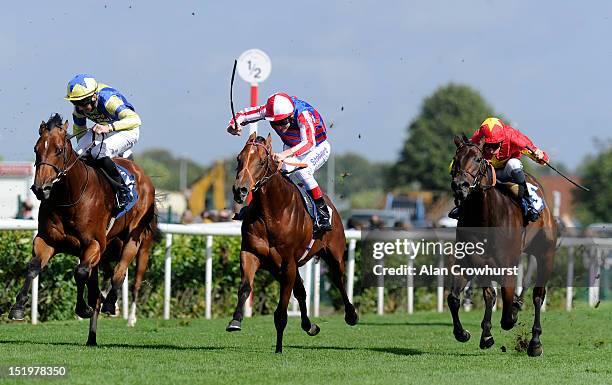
(465,184)
(243,190)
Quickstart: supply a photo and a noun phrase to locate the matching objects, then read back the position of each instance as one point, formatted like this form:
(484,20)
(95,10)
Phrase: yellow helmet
(81,86)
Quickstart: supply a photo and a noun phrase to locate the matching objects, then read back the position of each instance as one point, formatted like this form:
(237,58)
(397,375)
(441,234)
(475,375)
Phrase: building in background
(15,181)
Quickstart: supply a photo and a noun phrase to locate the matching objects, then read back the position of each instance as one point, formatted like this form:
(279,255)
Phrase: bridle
(481,173)
(253,184)
(61,172)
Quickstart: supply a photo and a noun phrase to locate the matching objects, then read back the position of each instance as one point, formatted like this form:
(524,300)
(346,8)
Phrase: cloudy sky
(544,64)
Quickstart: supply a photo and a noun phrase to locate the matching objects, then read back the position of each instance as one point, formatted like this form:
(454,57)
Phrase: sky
(365,65)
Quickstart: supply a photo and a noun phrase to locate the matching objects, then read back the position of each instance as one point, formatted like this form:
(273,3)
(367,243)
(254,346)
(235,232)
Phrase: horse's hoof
(108,309)
(507,325)
(16,314)
(534,349)
(314,330)
(131,322)
(233,326)
(84,312)
(352,318)
(463,336)
(91,343)
(486,342)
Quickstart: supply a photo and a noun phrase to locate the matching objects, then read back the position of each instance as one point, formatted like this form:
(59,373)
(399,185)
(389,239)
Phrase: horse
(77,204)
(276,234)
(497,211)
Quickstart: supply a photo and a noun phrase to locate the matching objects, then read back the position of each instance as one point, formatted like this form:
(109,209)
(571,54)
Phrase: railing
(233,229)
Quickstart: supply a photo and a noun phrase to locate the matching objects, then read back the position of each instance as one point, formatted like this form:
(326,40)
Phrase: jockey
(503,147)
(115,120)
(303,133)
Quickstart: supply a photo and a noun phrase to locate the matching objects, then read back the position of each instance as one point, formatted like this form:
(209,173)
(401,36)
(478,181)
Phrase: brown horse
(495,213)
(76,206)
(276,233)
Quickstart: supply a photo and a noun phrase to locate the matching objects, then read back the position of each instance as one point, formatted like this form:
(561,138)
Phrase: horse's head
(468,168)
(255,166)
(53,151)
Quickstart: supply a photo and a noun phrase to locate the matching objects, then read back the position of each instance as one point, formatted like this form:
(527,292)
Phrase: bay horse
(276,233)
(497,212)
(77,202)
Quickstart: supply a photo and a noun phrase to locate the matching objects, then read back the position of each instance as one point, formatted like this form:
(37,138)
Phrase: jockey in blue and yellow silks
(116,122)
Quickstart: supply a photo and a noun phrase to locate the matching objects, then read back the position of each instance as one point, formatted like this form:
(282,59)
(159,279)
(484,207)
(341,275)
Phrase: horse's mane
(54,121)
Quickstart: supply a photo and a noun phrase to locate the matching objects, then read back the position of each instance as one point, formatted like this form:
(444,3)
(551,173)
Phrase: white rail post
(410,288)
(35,300)
(569,290)
(167,275)
(124,295)
(351,269)
(317,288)
(208,272)
(594,276)
(308,285)
(440,289)
(380,302)
(34,307)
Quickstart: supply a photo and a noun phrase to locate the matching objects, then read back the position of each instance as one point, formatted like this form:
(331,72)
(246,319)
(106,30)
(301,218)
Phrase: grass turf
(379,350)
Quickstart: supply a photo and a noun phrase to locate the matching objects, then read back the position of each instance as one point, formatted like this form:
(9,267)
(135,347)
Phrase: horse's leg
(510,303)
(300,294)
(486,339)
(142,261)
(545,266)
(94,298)
(41,254)
(454,303)
(335,262)
(287,280)
(249,264)
(89,259)
(127,256)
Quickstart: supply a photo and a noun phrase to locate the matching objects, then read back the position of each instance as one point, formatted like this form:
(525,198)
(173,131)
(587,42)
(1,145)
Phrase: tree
(424,159)
(596,205)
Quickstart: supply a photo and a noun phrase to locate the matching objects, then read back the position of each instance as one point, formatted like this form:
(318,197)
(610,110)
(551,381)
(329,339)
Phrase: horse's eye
(59,151)
(478,160)
(262,162)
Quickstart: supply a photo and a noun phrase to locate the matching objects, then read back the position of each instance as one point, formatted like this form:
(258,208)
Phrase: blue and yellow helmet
(81,86)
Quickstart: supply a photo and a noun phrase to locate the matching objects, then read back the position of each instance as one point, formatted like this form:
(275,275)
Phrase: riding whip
(559,172)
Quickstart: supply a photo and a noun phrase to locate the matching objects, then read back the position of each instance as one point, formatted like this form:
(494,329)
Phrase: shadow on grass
(111,345)
(392,350)
(407,323)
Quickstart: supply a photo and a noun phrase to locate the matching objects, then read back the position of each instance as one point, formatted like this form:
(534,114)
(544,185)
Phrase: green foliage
(596,205)
(164,168)
(354,174)
(424,159)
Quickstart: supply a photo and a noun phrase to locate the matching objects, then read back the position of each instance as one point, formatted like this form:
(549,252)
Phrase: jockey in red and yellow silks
(503,147)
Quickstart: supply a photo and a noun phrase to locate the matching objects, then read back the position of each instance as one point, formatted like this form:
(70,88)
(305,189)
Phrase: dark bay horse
(276,233)
(76,206)
(496,213)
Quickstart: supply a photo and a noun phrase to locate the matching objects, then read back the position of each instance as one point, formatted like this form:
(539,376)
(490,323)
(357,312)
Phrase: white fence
(598,246)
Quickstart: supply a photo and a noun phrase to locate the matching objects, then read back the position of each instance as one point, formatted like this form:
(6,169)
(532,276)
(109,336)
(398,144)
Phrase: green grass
(379,350)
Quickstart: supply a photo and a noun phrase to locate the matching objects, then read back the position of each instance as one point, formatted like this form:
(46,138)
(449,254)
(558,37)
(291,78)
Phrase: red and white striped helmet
(279,106)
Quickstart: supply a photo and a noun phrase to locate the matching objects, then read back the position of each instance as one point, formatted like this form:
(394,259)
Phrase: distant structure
(15,181)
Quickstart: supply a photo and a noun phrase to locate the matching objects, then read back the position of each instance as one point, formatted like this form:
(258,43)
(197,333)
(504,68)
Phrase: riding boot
(455,213)
(531,213)
(323,219)
(121,190)
(240,214)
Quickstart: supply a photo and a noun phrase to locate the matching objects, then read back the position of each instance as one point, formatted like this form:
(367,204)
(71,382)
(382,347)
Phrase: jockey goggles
(282,122)
(82,102)
(492,146)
